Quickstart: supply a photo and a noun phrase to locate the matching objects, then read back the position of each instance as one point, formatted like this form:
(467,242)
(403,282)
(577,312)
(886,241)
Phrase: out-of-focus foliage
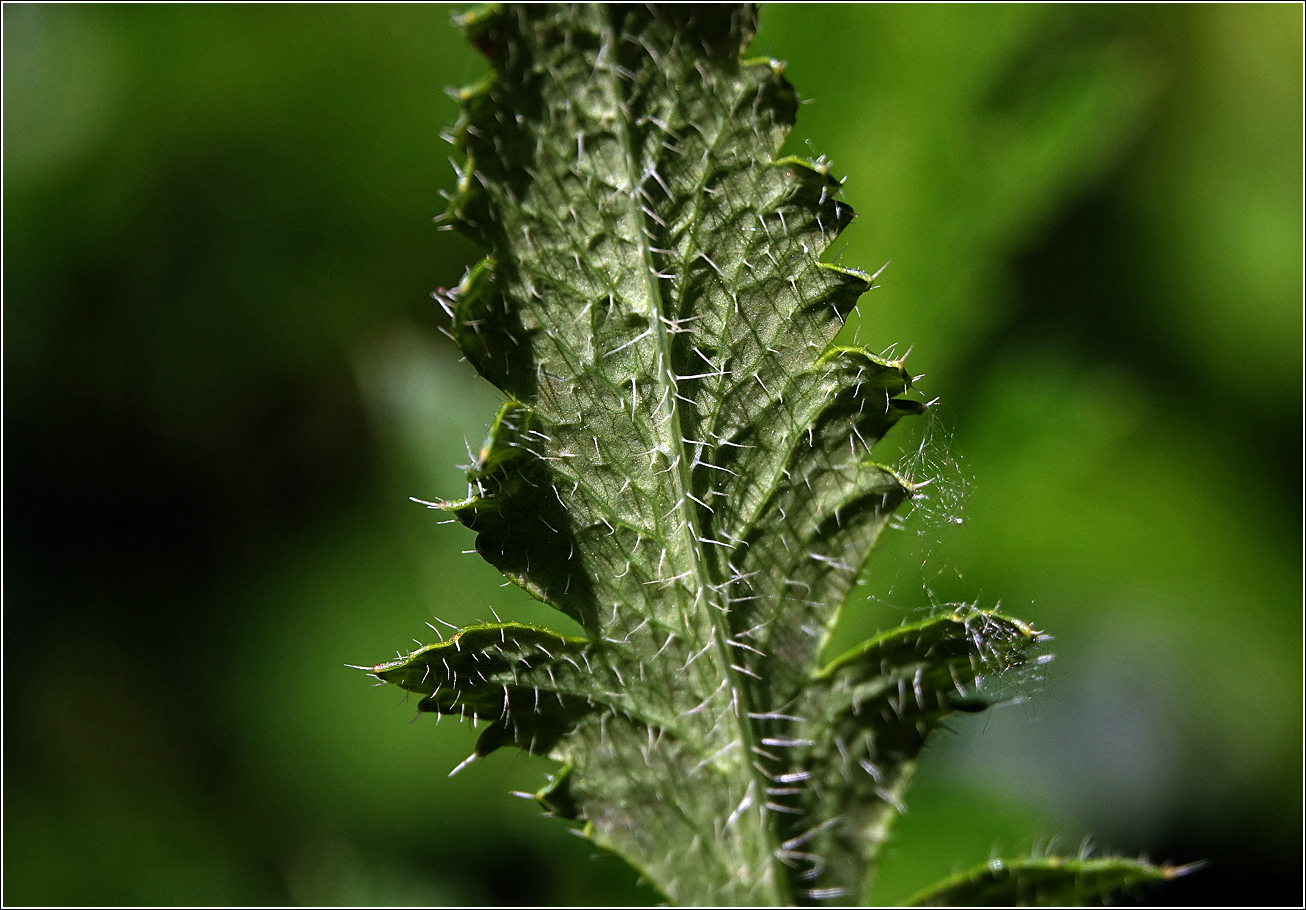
(223,377)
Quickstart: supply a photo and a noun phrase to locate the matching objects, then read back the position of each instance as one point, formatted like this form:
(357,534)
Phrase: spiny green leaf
(682,464)
(870,712)
(1048,881)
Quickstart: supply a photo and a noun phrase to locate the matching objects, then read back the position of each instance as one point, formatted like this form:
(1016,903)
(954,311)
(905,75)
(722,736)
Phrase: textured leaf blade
(658,311)
(868,714)
(1049,881)
(683,464)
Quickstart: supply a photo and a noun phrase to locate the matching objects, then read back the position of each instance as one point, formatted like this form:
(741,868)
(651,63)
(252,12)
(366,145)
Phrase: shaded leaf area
(1050,881)
(683,464)
(868,715)
(529,683)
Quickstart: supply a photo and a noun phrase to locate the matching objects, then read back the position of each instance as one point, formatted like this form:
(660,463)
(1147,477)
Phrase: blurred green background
(223,377)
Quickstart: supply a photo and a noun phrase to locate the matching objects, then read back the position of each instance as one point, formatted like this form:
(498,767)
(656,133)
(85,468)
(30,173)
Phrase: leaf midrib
(682,485)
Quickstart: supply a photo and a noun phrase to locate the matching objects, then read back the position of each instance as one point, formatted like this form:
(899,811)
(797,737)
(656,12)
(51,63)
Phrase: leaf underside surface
(682,464)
